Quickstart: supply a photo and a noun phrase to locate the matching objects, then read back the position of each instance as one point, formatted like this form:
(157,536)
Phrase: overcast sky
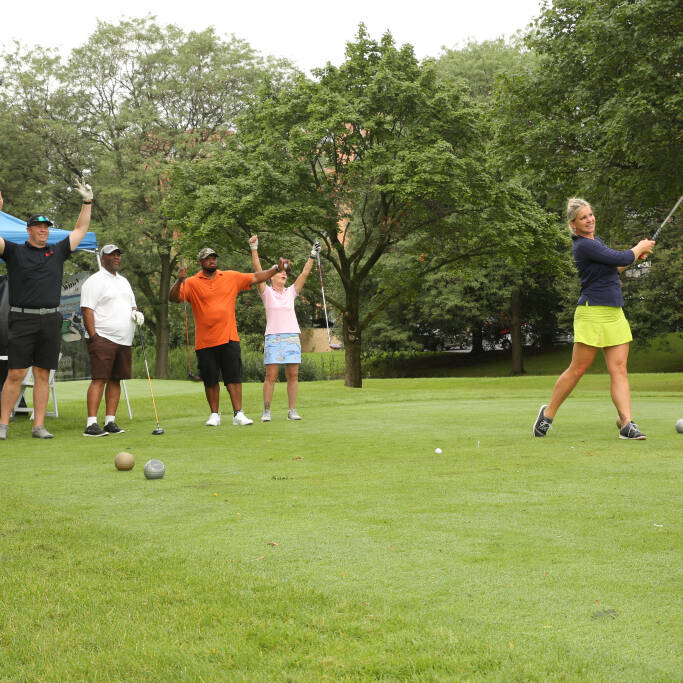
(309,32)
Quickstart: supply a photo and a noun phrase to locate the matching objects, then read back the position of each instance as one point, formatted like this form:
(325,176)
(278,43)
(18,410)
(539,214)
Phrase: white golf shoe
(241,419)
(266,416)
(293,415)
(214,420)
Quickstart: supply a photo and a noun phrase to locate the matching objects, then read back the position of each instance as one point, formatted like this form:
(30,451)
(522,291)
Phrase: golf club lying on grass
(190,374)
(158,429)
(327,324)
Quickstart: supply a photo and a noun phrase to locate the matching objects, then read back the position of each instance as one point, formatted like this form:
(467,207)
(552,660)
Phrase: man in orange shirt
(212,294)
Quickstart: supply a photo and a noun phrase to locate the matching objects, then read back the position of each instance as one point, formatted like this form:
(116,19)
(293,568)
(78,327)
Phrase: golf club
(158,429)
(327,324)
(671,213)
(190,374)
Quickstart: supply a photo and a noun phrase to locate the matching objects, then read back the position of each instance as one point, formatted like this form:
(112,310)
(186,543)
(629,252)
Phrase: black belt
(35,311)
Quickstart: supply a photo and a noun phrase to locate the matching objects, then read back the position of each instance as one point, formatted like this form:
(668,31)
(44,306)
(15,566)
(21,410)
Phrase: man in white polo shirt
(109,315)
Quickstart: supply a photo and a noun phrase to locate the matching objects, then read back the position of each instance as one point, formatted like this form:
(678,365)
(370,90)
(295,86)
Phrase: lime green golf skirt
(601,326)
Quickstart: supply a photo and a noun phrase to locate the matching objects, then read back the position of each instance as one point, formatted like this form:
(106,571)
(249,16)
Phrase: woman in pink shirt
(282,343)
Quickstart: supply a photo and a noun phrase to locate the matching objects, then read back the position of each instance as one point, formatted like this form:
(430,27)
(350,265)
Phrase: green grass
(342,547)
(663,354)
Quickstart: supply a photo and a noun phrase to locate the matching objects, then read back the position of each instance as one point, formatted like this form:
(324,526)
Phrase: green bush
(253,369)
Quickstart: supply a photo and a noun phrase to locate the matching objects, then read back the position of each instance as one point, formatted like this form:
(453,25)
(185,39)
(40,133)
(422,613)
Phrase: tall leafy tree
(599,111)
(376,156)
(134,99)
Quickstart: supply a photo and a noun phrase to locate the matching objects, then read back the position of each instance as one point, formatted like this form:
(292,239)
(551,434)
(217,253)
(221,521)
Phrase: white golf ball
(438,451)
(679,426)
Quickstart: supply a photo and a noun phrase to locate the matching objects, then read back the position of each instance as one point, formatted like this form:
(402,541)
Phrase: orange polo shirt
(213,304)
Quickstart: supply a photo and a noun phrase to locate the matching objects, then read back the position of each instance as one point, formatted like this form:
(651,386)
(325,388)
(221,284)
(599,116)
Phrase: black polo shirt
(35,273)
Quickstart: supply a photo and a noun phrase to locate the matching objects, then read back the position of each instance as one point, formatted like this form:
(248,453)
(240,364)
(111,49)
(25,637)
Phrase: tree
(373,157)
(598,112)
(132,100)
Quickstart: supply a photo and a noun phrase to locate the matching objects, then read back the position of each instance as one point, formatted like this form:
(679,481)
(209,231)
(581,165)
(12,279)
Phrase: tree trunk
(477,340)
(352,335)
(162,330)
(516,331)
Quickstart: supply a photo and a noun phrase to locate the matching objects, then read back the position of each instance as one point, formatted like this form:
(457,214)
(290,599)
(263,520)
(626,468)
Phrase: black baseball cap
(38,218)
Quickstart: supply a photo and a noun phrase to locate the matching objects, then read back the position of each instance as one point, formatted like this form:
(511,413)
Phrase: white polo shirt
(112,300)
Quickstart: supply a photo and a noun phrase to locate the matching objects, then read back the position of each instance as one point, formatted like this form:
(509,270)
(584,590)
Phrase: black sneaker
(113,428)
(94,430)
(543,423)
(630,431)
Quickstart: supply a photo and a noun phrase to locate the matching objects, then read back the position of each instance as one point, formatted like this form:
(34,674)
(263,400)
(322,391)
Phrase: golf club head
(158,430)
(335,347)
(193,377)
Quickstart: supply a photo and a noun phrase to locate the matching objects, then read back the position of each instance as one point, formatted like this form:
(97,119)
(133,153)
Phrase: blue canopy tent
(14,230)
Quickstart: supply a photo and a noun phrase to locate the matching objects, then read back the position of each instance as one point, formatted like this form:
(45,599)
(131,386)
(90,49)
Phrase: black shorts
(225,360)
(34,340)
(109,360)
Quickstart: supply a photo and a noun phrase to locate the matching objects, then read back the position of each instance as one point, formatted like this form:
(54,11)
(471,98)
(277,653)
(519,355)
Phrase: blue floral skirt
(282,348)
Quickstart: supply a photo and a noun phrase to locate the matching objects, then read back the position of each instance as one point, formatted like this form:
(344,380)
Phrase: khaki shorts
(109,360)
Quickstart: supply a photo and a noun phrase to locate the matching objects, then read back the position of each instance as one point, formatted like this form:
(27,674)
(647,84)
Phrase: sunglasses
(39,220)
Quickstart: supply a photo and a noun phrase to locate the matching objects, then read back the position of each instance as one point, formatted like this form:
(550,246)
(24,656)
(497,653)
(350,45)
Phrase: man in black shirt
(35,283)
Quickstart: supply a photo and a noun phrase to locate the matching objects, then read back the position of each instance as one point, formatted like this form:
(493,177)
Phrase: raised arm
(174,294)
(253,245)
(83,223)
(263,275)
(301,280)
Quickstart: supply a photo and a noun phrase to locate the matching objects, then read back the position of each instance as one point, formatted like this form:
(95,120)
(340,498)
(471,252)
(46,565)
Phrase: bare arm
(89,322)
(253,245)
(263,275)
(301,280)
(83,223)
(174,294)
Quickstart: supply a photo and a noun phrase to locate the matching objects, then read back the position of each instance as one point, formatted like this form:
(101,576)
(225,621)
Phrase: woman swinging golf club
(599,321)
(282,343)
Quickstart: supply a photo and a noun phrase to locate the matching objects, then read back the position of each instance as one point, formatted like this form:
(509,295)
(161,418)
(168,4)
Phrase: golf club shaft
(322,289)
(671,213)
(187,340)
(187,329)
(149,379)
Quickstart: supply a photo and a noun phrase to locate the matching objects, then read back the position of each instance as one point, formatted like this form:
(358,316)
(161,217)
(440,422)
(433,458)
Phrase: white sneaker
(214,420)
(266,416)
(241,419)
(293,415)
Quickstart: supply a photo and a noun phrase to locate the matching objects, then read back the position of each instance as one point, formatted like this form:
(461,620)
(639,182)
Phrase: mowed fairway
(342,547)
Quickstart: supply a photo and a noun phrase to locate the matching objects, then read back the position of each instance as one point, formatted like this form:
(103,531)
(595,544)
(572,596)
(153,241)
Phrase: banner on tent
(74,362)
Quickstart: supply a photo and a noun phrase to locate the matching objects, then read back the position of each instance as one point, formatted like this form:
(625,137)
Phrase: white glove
(137,317)
(253,243)
(84,190)
(315,249)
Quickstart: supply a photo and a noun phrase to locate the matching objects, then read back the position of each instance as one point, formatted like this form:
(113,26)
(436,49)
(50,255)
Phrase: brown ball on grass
(124,461)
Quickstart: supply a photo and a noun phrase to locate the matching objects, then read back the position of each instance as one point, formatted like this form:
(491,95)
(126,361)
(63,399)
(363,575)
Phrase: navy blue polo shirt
(35,273)
(597,265)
